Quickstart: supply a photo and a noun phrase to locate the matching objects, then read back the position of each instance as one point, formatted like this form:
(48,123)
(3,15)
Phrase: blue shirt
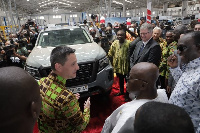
(187,91)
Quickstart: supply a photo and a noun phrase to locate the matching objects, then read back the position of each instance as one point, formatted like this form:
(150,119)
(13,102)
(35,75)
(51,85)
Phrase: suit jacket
(151,53)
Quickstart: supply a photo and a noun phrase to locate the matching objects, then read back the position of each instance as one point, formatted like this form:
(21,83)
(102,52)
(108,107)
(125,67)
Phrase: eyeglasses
(181,47)
(128,79)
(144,33)
(196,29)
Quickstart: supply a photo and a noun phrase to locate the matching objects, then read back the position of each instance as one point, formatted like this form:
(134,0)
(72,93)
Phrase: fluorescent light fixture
(128,1)
(117,2)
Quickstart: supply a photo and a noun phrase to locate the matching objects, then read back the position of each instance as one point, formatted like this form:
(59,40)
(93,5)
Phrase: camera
(104,40)
(109,34)
(28,23)
(9,49)
(142,18)
(22,43)
(93,16)
(26,26)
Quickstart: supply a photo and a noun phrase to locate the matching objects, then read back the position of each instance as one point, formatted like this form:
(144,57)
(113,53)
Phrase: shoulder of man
(135,41)
(115,42)
(153,42)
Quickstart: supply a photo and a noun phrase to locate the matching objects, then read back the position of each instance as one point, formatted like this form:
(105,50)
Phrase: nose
(77,68)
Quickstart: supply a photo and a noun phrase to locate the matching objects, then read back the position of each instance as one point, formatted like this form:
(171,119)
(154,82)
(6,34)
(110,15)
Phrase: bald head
(146,71)
(142,80)
(19,100)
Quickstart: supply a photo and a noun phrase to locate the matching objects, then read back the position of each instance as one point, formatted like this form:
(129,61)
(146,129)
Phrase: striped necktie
(141,48)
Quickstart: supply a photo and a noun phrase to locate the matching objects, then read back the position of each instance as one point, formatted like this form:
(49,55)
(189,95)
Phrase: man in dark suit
(146,50)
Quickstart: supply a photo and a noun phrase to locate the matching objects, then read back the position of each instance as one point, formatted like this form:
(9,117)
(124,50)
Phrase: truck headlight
(33,71)
(103,63)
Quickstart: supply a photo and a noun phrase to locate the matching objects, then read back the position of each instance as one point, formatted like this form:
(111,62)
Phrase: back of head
(195,36)
(142,81)
(181,29)
(19,100)
(146,71)
(156,117)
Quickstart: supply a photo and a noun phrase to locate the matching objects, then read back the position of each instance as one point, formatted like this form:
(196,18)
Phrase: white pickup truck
(95,75)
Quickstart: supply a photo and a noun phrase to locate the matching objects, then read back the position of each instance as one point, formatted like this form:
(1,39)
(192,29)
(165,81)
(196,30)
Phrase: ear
(34,110)
(143,86)
(58,67)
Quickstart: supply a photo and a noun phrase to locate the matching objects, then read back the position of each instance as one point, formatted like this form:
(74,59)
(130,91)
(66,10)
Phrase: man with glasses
(142,89)
(147,50)
(186,94)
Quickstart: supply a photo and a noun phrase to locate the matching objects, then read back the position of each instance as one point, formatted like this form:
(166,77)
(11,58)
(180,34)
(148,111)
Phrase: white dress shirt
(122,119)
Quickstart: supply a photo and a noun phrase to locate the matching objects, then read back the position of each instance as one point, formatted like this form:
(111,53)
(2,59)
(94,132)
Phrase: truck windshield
(63,37)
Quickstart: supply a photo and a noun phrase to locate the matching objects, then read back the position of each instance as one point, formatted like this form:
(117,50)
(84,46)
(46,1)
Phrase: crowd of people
(174,52)
(15,50)
(162,75)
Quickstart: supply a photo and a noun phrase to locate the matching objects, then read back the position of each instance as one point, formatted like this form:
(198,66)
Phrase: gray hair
(147,26)
(158,28)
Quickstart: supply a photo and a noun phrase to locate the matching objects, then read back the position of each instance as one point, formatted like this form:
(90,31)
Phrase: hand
(172,61)
(87,103)
(77,95)
(169,89)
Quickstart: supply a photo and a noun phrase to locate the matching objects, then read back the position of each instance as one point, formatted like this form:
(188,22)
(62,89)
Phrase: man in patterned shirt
(186,94)
(167,49)
(119,52)
(60,111)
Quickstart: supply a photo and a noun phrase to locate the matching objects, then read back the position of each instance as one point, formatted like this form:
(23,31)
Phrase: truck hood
(84,53)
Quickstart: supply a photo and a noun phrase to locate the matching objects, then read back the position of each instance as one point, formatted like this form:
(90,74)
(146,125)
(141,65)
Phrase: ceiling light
(128,1)
(27,0)
(75,7)
(117,2)
(78,4)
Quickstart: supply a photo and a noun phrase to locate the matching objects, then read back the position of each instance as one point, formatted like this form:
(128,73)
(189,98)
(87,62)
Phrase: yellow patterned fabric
(120,56)
(60,112)
(167,50)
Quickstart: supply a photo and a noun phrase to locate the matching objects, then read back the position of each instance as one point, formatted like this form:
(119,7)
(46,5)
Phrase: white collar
(145,43)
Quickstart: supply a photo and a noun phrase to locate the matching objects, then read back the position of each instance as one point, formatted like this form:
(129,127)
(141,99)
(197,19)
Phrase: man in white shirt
(186,94)
(142,88)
